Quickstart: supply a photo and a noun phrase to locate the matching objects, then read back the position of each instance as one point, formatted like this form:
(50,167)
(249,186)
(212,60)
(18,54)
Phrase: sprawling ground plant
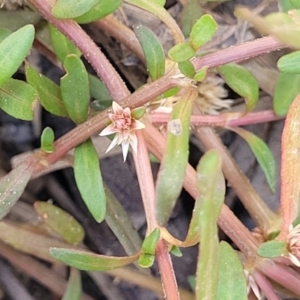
(156,122)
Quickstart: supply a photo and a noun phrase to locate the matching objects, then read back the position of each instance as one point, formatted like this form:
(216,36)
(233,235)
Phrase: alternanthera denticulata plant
(158,119)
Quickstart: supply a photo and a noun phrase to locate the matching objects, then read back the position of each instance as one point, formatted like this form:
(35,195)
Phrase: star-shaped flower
(124,125)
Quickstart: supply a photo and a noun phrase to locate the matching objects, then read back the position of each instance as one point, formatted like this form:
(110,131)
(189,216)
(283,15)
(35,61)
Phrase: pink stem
(88,48)
(167,276)
(223,120)
(238,53)
(265,286)
(283,275)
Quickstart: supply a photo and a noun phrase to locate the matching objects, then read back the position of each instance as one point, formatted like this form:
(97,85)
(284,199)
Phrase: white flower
(293,240)
(124,125)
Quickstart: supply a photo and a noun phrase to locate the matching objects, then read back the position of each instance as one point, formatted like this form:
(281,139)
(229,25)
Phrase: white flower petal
(125,147)
(113,143)
(294,259)
(138,125)
(133,142)
(108,130)
(116,107)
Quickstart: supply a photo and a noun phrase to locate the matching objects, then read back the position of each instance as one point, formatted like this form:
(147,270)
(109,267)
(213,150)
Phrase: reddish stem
(89,49)
(167,276)
(222,120)
(239,53)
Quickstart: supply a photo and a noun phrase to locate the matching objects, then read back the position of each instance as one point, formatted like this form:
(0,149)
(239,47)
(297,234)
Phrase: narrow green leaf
(61,44)
(89,180)
(118,221)
(202,31)
(47,139)
(18,98)
(172,168)
(211,186)
(272,249)
(13,185)
(99,11)
(88,261)
(4,33)
(290,63)
(75,89)
(73,291)
(13,51)
(242,82)
(98,89)
(49,92)
(232,282)
(181,52)
(190,14)
(60,222)
(138,112)
(153,51)
(209,171)
(68,9)
(262,153)
(187,69)
(286,89)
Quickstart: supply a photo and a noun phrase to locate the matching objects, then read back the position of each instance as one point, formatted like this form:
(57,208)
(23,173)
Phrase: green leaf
(75,89)
(272,249)
(295,3)
(285,5)
(190,14)
(61,44)
(285,28)
(153,51)
(47,139)
(146,260)
(4,33)
(262,153)
(138,112)
(286,89)
(242,82)
(209,171)
(211,187)
(172,169)
(60,222)
(73,291)
(49,92)
(99,11)
(290,63)
(98,89)
(89,180)
(187,69)
(147,256)
(203,31)
(88,261)
(118,221)
(13,184)
(176,251)
(68,9)
(232,282)
(17,98)
(13,51)
(150,241)
(201,74)
(181,52)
